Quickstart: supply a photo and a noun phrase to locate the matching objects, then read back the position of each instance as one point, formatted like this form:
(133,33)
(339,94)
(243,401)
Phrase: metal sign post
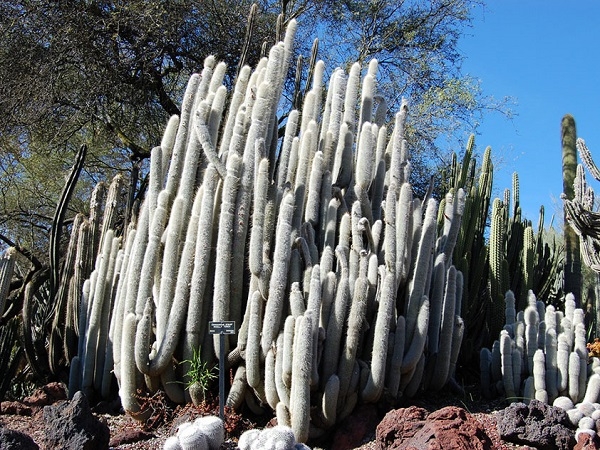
(221,328)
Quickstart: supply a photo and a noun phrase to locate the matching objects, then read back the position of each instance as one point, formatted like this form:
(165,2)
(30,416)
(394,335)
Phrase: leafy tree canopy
(109,73)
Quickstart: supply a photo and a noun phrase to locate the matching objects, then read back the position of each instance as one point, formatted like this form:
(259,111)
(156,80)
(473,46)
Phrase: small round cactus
(205,433)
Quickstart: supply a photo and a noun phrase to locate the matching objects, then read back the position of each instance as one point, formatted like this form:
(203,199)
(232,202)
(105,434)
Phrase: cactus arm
(313,201)
(171,255)
(447,338)
(286,149)
(107,306)
(253,360)
(574,371)
(354,330)
(416,345)
(288,345)
(507,369)
(128,387)
(166,145)
(255,256)
(222,284)
(375,383)
(301,375)
(422,264)
(271,392)
(178,153)
(59,217)
(283,391)
(395,374)
(235,398)
(278,282)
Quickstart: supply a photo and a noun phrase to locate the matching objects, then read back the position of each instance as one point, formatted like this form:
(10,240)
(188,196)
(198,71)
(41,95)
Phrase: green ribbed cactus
(572,267)
(514,257)
(498,266)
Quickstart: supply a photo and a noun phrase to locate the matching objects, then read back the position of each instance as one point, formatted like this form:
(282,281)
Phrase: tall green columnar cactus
(471,252)
(514,242)
(60,323)
(572,267)
(54,257)
(498,268)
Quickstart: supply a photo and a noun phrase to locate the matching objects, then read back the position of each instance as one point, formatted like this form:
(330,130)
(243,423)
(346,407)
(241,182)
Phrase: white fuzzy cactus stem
(375,383)
(301,375)
(420,279)
(223,280)
(278,282)
(7,265)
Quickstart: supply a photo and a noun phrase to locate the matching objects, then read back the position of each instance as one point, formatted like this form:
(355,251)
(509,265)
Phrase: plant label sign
(227,327)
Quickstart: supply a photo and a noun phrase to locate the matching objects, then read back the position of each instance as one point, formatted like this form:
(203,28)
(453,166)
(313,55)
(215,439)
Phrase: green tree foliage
(104,73)
(109,73)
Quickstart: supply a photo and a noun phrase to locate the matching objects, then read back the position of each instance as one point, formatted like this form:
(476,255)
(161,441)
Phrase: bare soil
(127,433)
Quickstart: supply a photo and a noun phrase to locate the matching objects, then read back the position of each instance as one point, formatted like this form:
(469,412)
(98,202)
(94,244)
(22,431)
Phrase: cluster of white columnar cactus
(542,354)
(339,280)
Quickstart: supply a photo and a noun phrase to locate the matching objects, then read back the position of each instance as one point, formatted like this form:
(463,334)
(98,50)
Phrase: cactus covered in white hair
(340,281)
(204,433)
(551,355)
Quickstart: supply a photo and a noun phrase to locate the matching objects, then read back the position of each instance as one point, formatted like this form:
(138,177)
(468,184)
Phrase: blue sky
(546,55)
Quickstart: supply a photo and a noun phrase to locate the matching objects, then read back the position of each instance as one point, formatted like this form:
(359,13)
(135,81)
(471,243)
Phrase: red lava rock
(401,423)
(15,408)
(353,429)
(450,428)
(587,442)
(47,395)
(129,436)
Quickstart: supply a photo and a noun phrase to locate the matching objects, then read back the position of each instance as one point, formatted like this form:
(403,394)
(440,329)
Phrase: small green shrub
(199,376)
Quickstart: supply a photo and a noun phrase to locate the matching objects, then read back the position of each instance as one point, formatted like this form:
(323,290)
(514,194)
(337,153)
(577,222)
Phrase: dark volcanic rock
(543,426)
(450,428)
(71,425)
(14,440)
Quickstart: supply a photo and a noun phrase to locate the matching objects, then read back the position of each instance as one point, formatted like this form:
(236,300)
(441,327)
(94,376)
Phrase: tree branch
(23,251)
